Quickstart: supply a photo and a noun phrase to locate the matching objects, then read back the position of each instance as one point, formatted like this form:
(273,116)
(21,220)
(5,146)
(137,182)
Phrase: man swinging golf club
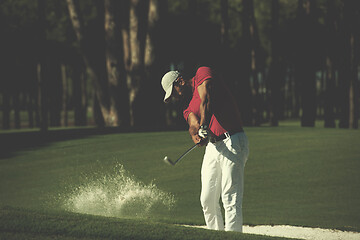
(215,121)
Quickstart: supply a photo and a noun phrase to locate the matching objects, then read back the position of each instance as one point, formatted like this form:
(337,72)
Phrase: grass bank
(296,176)
(27,224)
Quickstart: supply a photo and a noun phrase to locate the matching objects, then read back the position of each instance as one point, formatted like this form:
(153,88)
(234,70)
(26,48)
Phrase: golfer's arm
(205,90)
(194,126)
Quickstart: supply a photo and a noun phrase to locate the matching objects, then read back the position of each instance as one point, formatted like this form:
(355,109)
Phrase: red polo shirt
(226,116)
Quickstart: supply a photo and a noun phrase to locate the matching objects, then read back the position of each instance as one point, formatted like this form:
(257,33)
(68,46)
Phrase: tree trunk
(297,93)
(53,75)
(224,24)
(274,72)
(348,72)
(225,63)
(354,83)
(16,105)
(353,118)
(137,62)
(82,115)
(115,66)
(244,88)
(353,17)
(32,94)
(305,62)
(30,109)
(6,110)
(153,19)
(95,71)
(331,45)
(154,67)
(344,86)
(253,43)
(42,99)
(42,82)
(329,115)
(137,73)
(65,96)
(307,72)
(80,96)
(126,53)
(98,117)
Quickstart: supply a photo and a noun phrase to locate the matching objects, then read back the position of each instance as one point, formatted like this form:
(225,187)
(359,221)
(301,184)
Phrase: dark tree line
(86,62)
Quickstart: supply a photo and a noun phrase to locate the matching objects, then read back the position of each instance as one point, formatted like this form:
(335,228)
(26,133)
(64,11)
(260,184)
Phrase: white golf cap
(167,83)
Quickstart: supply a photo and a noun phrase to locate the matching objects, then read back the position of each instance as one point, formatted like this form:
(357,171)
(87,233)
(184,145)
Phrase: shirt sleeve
(186,113)
(202,74)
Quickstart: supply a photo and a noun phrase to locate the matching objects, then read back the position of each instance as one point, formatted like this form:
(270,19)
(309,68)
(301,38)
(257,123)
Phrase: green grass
(297,176)
(27,224)
(304,176)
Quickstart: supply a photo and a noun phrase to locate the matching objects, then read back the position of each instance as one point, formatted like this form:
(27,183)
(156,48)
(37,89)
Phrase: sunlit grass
(297,176)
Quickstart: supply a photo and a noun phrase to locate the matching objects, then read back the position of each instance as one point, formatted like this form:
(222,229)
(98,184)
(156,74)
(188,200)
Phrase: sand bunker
(301,232)
(298,232)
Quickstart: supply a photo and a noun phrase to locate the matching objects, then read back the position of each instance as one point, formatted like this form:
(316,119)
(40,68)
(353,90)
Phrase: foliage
(188,35)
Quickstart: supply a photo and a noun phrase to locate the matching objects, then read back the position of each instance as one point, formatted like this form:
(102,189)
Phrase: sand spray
(117,194)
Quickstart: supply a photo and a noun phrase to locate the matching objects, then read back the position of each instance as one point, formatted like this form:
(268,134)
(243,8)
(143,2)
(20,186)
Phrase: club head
(168,161)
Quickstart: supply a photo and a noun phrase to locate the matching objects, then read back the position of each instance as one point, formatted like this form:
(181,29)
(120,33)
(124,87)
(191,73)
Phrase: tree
(120,46)
(250,102)
(154,65)
(348,72)
(152,33)
(274,79)
(224,24)
(78,76)
(5,72)
(54,86)
(65,95)
(139,30)
(42,81)
(136,72)
(306,58)
(331,22)
(119,102)
(93,58)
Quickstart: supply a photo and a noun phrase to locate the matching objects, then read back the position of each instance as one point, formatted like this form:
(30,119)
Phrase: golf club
(168,160)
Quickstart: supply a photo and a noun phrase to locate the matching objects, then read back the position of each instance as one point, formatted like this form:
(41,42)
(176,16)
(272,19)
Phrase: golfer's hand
(198,140)
(203,132)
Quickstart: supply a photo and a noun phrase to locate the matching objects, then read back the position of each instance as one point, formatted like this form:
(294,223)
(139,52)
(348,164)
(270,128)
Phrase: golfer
(215,121)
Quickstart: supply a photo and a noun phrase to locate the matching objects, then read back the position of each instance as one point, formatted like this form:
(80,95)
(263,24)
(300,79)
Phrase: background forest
(100,62)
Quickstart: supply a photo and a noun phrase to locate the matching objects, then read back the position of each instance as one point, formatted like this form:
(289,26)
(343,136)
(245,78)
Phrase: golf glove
(203,131)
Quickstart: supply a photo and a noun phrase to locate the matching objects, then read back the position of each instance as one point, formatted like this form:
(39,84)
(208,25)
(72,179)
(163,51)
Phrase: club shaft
(185,153)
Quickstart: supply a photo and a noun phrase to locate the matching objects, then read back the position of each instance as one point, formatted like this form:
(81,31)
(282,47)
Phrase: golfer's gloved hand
(203,131)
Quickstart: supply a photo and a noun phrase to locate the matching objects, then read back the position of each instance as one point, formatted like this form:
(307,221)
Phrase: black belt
(221,137)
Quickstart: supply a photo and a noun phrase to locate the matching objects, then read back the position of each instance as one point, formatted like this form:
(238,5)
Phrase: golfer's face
(179,88)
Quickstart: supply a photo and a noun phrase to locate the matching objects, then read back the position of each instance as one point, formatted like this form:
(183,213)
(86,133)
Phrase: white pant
(222,174)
